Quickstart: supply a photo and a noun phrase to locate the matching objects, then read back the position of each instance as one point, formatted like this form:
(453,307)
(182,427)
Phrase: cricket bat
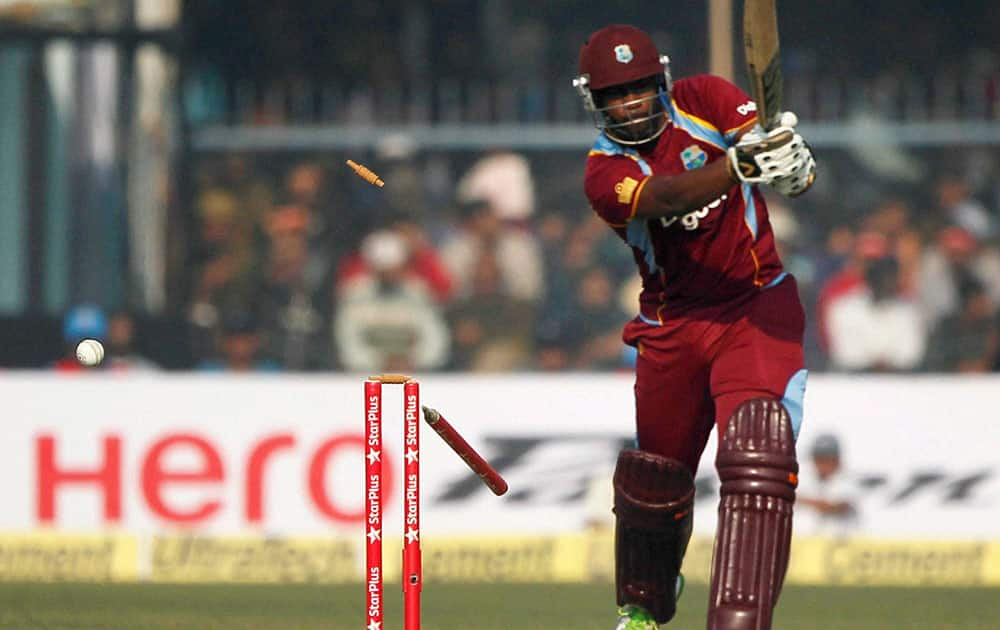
(760,44)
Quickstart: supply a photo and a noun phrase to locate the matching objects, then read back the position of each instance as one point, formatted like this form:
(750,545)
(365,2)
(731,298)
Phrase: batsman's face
(632,112)
(631,101)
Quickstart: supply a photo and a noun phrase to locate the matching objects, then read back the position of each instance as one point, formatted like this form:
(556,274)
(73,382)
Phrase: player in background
(675,173)
(832,497)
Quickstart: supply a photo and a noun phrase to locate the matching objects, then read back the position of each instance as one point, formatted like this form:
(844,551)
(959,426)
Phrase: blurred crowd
(494,262)
(323,271)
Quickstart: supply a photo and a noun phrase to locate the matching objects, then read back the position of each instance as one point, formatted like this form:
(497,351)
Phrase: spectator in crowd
(967,341)
(226,263)
(122,352)
(571,251)
(498,201)
(835,255)
(830,505)
(508,254)
(425,261)
(489,329)
(960,208)
(240,346)
(295,290)
(410,192)
(556,313)
(893,219)
(424,265)
(244,178)
(590,243)
(83,321)
(908,249)
(307,187)
(387,320)
(850,276)
(503,181)
(596,334)
(334,221)
(552,347)
(870,325)
(955,254)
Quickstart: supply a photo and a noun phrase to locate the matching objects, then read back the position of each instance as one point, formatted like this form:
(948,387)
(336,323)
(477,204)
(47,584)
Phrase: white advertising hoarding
(282,455)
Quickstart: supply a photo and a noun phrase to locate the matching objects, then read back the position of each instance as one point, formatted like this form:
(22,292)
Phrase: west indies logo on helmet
(625,84)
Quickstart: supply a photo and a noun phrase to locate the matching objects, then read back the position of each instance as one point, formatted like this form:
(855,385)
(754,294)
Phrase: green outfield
(472,607)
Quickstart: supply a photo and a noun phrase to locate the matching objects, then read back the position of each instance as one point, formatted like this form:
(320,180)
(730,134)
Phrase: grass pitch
(465,607)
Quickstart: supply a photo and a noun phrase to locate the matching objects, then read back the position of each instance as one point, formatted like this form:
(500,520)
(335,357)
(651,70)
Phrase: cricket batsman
(675,173)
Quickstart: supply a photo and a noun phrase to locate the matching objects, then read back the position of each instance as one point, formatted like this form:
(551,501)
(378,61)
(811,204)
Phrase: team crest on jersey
(623,53)
(693,157)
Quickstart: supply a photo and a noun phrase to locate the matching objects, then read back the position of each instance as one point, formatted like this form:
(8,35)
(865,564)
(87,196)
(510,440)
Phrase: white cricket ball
(90,352)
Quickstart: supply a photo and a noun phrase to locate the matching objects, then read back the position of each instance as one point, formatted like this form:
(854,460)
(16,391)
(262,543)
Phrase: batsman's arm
(669,196)
(754,159)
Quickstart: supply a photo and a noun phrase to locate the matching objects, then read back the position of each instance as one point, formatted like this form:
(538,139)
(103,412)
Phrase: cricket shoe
(635,618)
(631,617)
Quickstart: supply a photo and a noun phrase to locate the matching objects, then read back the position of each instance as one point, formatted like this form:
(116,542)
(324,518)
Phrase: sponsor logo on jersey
(625,188)
(692,220)
(746,108)
(623,53)
(693,157)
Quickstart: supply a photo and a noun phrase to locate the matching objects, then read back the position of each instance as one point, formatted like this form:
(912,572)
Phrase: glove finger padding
(802,177)
(762,161)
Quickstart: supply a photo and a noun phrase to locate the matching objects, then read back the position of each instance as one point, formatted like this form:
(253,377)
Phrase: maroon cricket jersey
(714,254)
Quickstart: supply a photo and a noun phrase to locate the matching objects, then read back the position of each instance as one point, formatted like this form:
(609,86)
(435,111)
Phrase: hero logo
(692,220)
(203,470)
(746,108)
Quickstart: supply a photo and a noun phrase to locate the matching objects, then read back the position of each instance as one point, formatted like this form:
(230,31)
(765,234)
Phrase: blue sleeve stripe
(750,214)
(643,166)
(732,133)
(605,146)
(637,235)
(773,283)
(651,322)
(698,128)
(795,393)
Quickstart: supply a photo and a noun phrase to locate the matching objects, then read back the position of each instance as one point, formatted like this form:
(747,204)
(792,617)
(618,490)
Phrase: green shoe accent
(635,618)
(632,617)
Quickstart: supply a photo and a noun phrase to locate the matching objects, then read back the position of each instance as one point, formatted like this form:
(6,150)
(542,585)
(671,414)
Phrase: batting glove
(801,179)
(765,157)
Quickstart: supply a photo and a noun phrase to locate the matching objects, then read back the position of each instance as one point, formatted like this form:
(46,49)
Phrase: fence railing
(211,101)
(863,131)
